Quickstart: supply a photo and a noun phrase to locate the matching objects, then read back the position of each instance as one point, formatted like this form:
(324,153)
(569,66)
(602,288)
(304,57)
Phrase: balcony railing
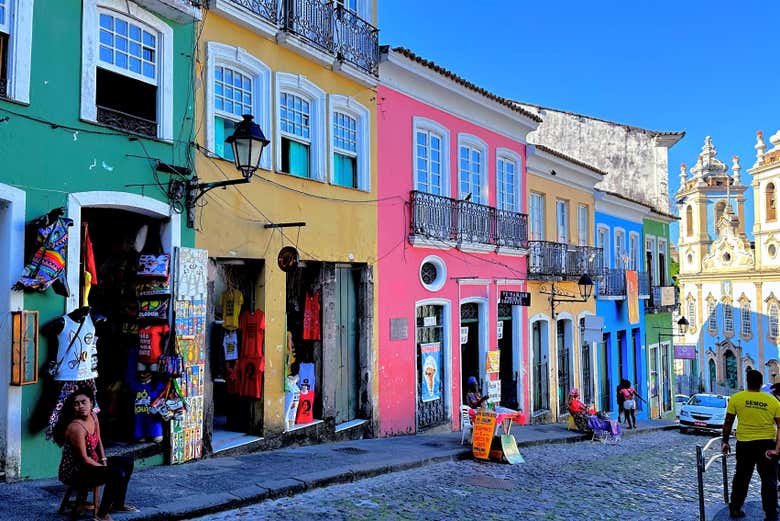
(558,260)
(324,25)
(445,219)
(643,278)
(613,283)
(127,122)
(654,305)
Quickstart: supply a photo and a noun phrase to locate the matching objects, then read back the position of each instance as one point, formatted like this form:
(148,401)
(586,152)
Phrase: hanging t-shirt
(311,317)
(77,350)
(150,343)
(233,377)
(230,345)
(232,300)
(305,413)
(252,369)
(252,325)
(306,375)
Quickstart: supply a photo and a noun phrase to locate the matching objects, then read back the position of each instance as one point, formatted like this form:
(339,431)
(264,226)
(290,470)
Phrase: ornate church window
(689,221)
(728,318)
(746,327)
(773,320)
(771,210)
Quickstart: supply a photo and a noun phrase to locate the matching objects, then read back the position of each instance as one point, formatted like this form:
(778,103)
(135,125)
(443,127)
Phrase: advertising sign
(494,390)
(431,366)
(516,298)
(493,362)
(632,296)
(464,334)
(484,427)
(685,351)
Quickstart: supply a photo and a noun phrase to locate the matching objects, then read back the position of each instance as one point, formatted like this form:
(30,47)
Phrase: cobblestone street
(649,476)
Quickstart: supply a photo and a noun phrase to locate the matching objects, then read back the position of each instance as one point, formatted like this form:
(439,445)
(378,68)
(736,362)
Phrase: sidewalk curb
(251,494)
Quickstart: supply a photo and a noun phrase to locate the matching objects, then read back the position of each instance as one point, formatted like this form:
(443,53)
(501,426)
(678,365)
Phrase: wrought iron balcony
(612,284)
(643,278)
(655,305)
(445,219)
(558,260)
(324,25)
(127,122)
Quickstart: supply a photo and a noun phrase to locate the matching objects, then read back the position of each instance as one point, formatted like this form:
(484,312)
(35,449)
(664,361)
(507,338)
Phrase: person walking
(630,397)
(621,398)
(758,444)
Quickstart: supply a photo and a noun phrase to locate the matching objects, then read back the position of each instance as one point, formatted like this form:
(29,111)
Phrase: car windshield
(704,400)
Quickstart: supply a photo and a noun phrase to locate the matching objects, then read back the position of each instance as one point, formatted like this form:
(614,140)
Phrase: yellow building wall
(231,222)
(540,303)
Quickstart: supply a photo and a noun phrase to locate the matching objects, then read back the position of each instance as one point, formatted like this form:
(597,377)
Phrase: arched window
(771,213)
(773,318)
(712,319)
(747,328)
(730,368)
(728,318)
(713,374)
(689,221)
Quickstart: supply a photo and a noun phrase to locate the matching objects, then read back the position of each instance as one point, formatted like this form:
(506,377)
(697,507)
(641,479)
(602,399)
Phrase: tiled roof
(630,127)
(646,205)
(570,159)
(461,81)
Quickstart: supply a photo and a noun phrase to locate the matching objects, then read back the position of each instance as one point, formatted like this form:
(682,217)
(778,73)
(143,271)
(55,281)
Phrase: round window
(772,249)
(433,273)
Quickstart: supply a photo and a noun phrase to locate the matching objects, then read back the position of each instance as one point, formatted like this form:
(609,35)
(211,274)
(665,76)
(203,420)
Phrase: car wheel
(683,430)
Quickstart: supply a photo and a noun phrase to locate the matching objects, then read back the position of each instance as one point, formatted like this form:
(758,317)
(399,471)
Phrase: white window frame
(236,58)
(298,85)
(471,141)
(563,238)
(712,317)
(19,27)
(420,124)
(90,31)
(539,236)
(583,224)
(661,247)
(746,327)
(603,232)
(509,156)
(652,246)
(620,256)
(633,252)
(728,317)
(361,114)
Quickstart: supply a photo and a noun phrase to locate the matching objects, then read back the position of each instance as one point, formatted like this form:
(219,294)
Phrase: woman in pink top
(84,463)
(629,405)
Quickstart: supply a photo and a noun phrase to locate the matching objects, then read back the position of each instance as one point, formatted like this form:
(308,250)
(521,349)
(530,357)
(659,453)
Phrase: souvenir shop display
(305,413)
(232,300)
(151,340)
(47,265)
(291,400)
(146,388)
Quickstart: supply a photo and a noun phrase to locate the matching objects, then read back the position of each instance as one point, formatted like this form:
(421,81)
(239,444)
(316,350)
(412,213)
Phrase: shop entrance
(126,302)
(470,350)
(563,343)
(235,341)
(605,389)
(507,370)
(431,408)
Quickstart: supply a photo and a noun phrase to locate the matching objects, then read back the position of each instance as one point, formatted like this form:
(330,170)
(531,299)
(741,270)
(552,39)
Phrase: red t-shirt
(150,343)
(251,374)
(576,406)
(252,325)
(628,394)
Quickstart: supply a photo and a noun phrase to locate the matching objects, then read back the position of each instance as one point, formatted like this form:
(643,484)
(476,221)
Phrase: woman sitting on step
(84,464)
(578,411)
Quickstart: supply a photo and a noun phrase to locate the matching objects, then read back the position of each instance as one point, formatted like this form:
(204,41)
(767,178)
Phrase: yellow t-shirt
(232,300)
(756,412)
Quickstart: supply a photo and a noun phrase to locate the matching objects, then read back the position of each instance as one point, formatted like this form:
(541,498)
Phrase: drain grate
(351,450)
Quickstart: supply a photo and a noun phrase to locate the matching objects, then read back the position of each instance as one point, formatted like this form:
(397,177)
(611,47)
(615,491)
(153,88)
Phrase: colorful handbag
(153,265)
(171,363)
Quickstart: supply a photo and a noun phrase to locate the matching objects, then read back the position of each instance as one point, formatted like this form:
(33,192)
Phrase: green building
(658,315)
(96,104)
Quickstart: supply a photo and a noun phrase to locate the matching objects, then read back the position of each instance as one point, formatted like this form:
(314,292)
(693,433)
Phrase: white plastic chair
(465,423)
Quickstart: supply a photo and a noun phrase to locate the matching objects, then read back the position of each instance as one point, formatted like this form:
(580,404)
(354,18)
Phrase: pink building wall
(400,288)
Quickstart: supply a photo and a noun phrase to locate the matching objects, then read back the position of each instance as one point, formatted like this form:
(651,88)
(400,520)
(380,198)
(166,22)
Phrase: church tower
(705,202)
(766,183)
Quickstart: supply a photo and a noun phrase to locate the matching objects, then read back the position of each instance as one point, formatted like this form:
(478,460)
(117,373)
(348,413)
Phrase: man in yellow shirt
(758,444)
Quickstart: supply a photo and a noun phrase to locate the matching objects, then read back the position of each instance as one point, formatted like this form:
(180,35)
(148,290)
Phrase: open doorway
(236,340)
(507,365)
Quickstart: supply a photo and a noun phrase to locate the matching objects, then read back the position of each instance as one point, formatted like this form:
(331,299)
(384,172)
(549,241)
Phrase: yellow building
(561,216)
(307,70)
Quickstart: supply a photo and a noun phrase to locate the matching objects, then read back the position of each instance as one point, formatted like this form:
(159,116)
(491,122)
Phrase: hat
(472,380)
(574,392)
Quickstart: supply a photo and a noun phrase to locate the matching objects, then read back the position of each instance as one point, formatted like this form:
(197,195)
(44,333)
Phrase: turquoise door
(347,360)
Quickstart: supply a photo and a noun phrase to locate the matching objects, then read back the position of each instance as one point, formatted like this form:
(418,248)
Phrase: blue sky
(709,68)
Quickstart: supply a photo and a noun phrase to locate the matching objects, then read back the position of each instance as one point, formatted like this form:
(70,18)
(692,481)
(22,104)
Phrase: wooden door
(347,360)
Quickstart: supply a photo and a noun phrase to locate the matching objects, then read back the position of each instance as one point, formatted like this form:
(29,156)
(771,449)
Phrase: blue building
(621,352)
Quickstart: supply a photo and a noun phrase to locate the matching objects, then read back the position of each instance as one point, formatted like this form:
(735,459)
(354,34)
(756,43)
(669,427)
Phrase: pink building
(452,243)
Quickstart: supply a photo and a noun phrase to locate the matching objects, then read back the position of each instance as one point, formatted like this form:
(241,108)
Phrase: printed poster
(494,391)
(464,334)
(632,296)
(493,362)
(430,355)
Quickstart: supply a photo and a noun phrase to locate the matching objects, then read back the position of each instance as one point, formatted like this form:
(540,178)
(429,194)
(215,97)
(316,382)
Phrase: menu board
(484,427)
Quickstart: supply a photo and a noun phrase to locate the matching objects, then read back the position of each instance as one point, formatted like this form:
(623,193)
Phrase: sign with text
(500,330)
(667,295)
(685,351)
(429,321)
(516,298)
(493,362)
(430,354)
(632,296)
(484,427)
(464,334)
(494,390)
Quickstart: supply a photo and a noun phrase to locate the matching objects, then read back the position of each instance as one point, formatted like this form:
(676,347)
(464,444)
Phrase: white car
(704,411)
(679,401)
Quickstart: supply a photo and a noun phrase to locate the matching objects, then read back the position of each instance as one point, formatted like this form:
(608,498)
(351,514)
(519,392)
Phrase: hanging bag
(171,363)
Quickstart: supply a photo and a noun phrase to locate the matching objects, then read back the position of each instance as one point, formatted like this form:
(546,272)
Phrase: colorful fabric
(232,300)
(311,317)
(150,343)
(252,324)
(88,255)
(756,413)
(66,390)
(48,262)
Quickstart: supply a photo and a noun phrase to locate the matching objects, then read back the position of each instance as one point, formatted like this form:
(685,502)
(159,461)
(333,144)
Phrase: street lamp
(682,326)
(248,142)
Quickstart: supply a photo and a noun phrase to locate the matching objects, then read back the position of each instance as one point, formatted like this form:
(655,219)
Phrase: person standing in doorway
(620,399)
(758,444)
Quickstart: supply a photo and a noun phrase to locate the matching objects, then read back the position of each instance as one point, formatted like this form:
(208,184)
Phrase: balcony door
(562,220)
